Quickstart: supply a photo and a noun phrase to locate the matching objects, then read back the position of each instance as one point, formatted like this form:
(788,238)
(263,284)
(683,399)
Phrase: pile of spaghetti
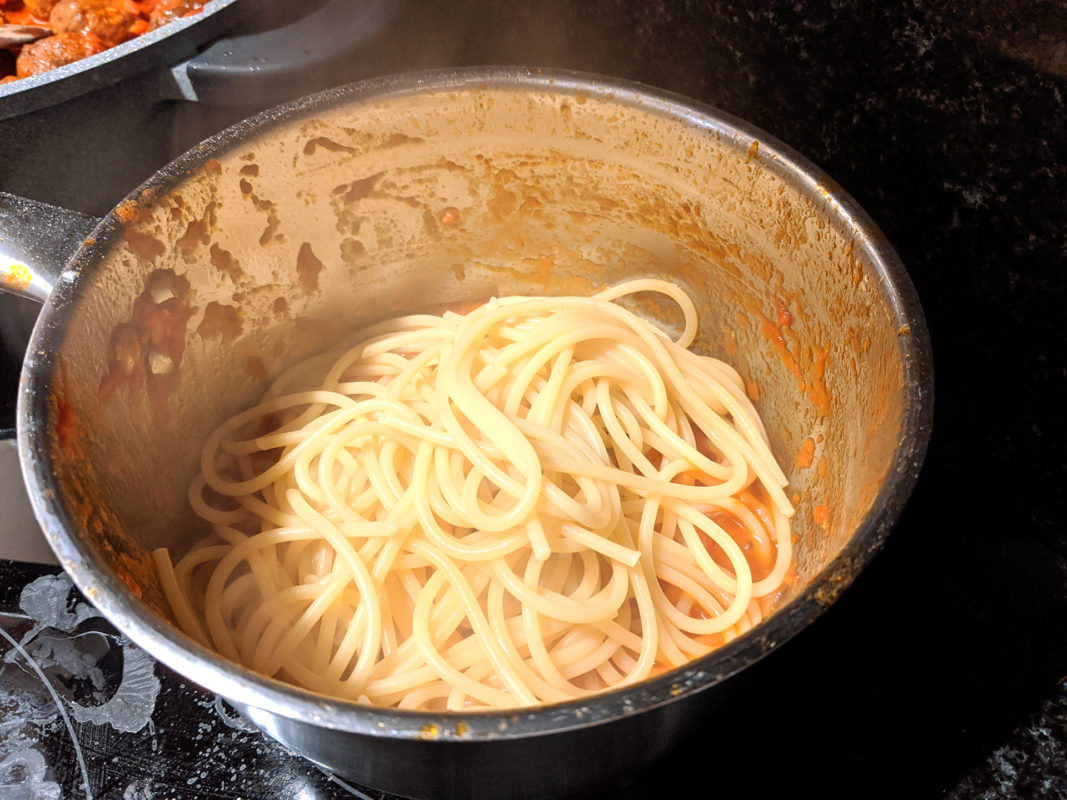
(537,500)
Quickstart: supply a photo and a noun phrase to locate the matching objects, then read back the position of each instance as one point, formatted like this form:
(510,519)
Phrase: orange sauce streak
(817,391)
(128,579)
(773,334)
(806,454)
(729,341)
(815,386)
(67,432)
(785,319)
(821,515)
(752,389)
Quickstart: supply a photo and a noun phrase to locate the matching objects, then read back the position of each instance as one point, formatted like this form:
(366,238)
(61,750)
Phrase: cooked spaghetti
(537,500)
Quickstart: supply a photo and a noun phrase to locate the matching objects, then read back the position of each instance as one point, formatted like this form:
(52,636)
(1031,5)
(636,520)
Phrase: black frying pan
(170,44)
(281,44)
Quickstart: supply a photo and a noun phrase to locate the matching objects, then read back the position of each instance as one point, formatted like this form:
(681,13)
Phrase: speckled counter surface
(940,673)
(85,713)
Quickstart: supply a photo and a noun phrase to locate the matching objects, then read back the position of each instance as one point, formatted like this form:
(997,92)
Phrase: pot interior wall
(273,246)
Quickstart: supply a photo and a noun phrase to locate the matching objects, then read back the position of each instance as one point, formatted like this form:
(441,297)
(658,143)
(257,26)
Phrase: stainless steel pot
(258,247)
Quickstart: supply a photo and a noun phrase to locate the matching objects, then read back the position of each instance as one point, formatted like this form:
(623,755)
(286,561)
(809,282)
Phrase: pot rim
(99,583)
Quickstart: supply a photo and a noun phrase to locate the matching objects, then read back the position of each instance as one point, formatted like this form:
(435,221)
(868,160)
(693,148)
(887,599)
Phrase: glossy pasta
(538,500)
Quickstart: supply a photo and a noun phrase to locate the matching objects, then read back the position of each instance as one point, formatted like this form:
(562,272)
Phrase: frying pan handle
(283,62)
(36,241)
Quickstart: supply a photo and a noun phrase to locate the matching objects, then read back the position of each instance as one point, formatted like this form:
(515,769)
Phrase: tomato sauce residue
(146,351)
(774,335)
(358,189)
(80,28)
(820,397)
(729,341)
(821,515)
(143,244)
(759,549)
(225,262)
(128,579)
(326,144)
(806,364)
(308,267)
(127,212)
(220,322)
(785,319)
(67,432)
(806,454)
(197,232)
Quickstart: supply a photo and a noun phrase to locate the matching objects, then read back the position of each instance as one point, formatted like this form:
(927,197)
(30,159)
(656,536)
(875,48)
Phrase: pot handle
(36,242)
(279,63)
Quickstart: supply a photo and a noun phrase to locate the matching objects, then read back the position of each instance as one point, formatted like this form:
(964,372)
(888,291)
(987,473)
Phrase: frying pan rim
(107,67)
(244,687)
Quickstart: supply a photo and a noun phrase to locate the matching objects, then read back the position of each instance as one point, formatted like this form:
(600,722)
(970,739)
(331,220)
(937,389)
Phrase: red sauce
(67,433)
(146,351)
(81,28)
(773,334)
(785,319)
(760,552)
(806,364)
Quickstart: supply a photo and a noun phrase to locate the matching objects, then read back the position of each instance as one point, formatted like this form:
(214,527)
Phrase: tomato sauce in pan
(80,28)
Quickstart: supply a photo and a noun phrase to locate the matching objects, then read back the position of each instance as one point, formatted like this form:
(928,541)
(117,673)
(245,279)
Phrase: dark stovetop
(940,672)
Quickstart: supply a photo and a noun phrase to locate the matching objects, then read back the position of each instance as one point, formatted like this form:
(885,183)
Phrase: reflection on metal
(36,241)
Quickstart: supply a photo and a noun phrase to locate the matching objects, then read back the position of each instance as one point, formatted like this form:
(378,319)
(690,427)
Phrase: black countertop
(940,672)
